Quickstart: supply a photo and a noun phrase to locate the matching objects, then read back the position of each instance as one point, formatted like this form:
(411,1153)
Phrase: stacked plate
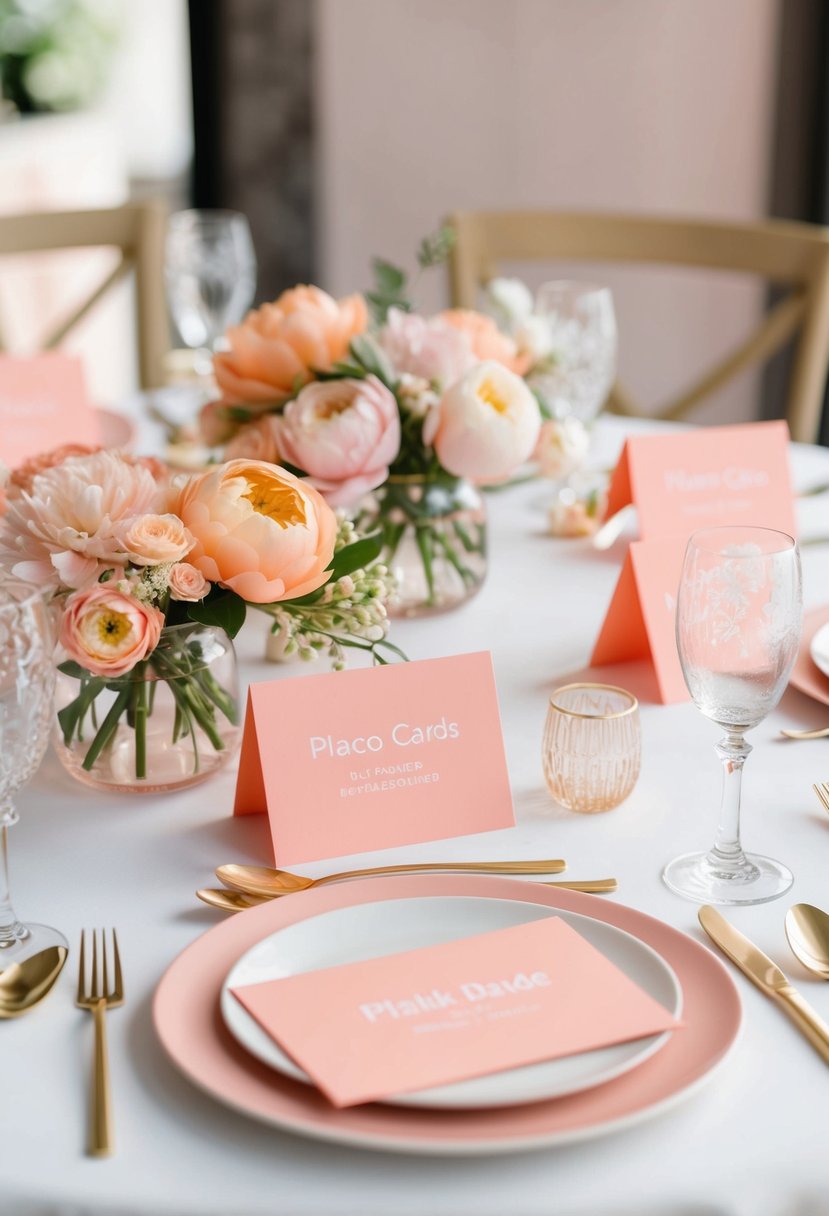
(215,1042)
(811,671)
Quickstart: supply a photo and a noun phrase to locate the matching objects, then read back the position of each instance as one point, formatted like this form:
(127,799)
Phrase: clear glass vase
(435,540)
(169,723)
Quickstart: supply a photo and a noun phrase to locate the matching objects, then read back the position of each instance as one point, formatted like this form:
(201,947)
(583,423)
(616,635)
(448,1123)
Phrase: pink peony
(67,529)
(23,476)
(108,632)
(259,530)
(187,583)
(485,426)
(255,441)
(343,433)
(429,349)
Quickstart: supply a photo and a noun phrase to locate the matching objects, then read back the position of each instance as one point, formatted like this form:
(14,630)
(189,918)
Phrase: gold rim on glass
(620,713)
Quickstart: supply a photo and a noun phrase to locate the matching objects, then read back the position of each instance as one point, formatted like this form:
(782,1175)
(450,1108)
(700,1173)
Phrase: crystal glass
(582,364)
(739,617)
(178,721)
(592,746)
(210,268)
(27,682)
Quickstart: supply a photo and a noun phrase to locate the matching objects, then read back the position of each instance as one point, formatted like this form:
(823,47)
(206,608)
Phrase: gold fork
(97,997)
(822,792)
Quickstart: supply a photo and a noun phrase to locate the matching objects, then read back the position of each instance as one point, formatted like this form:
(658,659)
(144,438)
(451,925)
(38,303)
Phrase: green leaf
(390,280)
(436,247)
(357,556)
(226,611)
(370,356)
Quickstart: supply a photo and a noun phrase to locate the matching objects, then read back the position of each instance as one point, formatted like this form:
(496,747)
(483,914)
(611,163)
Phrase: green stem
(140,726)
(425,538)
(108,728)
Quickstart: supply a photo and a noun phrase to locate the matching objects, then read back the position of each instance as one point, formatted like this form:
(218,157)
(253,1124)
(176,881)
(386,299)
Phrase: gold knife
(767,976)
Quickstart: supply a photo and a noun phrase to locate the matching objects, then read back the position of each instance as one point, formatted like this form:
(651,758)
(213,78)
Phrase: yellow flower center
(326,410)
(113,627)
(280,502)
(489,393)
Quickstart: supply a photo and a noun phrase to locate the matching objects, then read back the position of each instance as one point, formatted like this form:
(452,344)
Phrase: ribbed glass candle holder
(592,746)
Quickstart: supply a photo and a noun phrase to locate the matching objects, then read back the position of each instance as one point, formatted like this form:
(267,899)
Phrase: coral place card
(43,404)
(687,480)
(376,757)
(450,1012)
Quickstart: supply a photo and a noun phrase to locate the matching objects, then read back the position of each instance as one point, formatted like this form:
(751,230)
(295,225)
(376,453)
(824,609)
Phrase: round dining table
(750,1142)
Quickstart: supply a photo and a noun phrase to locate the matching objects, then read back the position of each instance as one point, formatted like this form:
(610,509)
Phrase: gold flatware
(612,527)
(822,792)
(767,976)
(238,901)
(822,733)
(807,930)
(23,985)
(97,996)
(263,880)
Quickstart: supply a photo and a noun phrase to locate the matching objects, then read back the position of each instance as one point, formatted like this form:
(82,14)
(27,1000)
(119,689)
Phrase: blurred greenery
(54,54)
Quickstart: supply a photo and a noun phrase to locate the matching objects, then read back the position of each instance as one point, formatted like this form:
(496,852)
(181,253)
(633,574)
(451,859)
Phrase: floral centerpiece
(397,416)
(152,579)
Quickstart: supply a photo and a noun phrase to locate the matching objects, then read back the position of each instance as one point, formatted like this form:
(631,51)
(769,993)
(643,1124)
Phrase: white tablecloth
(751,1143)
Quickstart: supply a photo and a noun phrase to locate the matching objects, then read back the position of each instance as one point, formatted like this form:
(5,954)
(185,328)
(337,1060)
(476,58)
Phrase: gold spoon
(22,985)
(823,733)
(263,880)
(237,901)
(807,929)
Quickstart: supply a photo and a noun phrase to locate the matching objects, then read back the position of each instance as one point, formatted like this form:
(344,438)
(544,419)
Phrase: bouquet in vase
(152,578)
(397,416)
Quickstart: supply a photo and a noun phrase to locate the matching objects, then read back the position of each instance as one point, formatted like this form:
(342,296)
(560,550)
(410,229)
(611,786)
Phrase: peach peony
(67,528)
(255,441)
(486,338)
(485,426)
(108,632)
(259,530)
(279,345)
(150,540)
(344,434)
(187,583)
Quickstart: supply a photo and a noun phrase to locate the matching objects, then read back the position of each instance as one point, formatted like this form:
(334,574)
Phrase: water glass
(582,325)
(210,268)
(592,746)
(739,618)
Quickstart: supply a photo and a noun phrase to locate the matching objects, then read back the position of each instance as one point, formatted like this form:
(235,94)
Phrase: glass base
(704,879)
(25,941)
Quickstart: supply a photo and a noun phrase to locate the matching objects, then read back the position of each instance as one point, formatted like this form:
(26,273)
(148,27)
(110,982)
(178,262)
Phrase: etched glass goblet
(739,618)
(27,681)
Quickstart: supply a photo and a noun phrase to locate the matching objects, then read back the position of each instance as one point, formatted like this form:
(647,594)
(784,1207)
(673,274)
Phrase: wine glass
(583,342)
(739,617)
(27,681)
(210,268)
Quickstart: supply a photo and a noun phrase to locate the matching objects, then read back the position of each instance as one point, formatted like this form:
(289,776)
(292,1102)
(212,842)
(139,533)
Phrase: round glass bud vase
(435,541)
(170,722)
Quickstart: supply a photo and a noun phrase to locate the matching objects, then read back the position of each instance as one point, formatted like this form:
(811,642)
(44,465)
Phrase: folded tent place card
(446,1013)
(376,757)
(43,404)
(680,483)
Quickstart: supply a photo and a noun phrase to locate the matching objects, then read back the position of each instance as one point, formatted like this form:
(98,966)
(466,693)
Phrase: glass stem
(10,928)
(727,853)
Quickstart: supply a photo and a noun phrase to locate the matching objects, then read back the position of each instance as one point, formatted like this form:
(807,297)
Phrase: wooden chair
(789,255)
(137,231)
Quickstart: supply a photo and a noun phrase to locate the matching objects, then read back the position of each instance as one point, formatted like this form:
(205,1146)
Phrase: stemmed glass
(27,681)
(210,268)
(582,327)
(739,617)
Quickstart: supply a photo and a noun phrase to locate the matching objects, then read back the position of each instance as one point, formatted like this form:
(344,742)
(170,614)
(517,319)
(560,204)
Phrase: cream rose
(187,583)
(150,540)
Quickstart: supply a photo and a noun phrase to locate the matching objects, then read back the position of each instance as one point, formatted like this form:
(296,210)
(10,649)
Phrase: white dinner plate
(820,649)
(371,930)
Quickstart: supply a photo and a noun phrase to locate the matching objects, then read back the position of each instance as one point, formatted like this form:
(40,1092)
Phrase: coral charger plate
(189,1024)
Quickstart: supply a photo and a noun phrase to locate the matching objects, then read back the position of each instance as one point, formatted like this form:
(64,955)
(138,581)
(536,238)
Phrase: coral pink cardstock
(43,404)
(641,619)
(377,757)
(687,480)
(393,1025)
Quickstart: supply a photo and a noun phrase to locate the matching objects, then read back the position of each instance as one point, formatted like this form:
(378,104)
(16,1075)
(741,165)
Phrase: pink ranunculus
(108,632)
(255,441)
(486,424)
(260,531)
(187,583)
(430,349)
(343,433)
